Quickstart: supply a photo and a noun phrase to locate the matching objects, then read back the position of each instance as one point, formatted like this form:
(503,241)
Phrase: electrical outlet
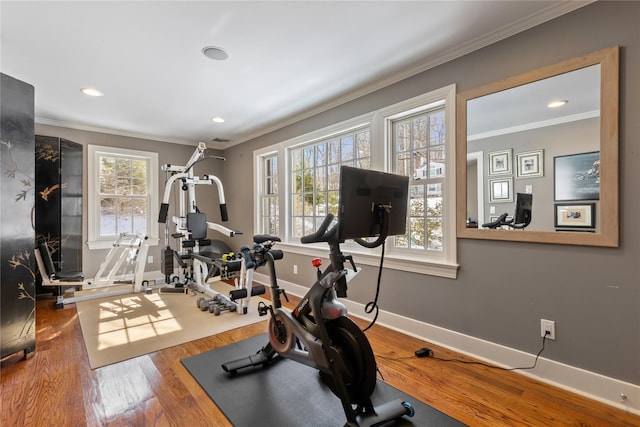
(548,326)
(295,269)
(150,259)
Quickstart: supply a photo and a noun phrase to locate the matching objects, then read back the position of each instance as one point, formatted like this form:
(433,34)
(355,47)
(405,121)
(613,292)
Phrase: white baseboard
(613,392)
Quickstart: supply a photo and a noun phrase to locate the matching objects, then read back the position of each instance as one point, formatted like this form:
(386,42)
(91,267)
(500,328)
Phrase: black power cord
(426,352)
(373,305)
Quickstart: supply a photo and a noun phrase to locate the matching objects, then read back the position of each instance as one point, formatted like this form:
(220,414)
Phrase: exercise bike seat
(261,238)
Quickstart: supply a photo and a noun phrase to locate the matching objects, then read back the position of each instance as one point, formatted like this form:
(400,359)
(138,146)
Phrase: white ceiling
(287,60)
(525,107)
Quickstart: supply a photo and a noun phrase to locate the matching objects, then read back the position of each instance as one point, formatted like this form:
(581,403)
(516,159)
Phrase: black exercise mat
(287,393)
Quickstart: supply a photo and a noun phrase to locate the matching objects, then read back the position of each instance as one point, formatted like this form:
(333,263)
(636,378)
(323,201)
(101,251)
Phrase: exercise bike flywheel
(357,357)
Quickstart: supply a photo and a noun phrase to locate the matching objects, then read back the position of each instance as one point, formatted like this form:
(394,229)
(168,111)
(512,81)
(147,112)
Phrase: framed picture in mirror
(530,164)
(577,176)
(575,215)
(501,190)
(500,162)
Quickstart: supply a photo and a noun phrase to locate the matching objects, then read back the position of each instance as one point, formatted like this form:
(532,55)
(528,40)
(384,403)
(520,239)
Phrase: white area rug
(126,326)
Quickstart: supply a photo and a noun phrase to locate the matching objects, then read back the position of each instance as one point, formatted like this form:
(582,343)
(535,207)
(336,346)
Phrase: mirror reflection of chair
(521,218)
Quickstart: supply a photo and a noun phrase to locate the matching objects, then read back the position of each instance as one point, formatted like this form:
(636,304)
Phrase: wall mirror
(510,140)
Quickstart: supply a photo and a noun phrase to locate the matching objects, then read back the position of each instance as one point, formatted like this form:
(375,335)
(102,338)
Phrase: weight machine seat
(211,253)
(197,226)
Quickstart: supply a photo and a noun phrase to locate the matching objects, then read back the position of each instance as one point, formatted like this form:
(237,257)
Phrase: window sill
(409,263)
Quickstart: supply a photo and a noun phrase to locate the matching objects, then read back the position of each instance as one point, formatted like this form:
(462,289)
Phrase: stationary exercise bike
(318,333)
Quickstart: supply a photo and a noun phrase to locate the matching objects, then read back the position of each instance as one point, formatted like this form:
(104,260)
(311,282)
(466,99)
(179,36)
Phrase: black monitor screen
(524,204)
(363,193)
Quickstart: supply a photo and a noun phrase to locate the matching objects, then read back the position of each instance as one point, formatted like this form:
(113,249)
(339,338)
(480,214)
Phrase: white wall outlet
(295,269)
(492,209)
(150,259)
(548,328)
(528,189)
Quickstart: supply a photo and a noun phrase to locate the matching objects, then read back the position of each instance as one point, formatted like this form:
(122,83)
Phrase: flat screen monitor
(364,194)
(524,204)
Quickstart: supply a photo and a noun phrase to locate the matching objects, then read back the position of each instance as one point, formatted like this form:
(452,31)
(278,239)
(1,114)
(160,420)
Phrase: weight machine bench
(128,248)
(51,277)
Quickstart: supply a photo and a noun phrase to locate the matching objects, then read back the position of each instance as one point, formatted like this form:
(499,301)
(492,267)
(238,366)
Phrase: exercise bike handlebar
(321,235)
(246,253)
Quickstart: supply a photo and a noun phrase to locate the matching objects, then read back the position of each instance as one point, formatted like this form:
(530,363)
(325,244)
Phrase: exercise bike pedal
(264,309)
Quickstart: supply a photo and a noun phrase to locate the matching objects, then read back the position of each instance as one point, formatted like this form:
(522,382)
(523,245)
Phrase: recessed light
(90,91)
(557,103)
(215,53)
(218,119)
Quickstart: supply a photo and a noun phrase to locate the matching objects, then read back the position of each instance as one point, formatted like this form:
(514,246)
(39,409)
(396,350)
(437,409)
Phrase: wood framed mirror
(509,141)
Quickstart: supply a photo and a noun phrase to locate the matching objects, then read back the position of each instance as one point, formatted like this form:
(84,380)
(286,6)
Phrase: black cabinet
(17,263)
(58,219)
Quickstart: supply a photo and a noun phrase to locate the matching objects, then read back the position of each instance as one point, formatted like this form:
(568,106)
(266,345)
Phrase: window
(121,197)
(315,176)
(414,138)
(269,200)
(419,149)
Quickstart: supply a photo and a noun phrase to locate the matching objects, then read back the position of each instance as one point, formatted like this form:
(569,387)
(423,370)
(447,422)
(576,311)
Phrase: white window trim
(284,161)
(381,159)
(93,224)
(383,121)
(258,168)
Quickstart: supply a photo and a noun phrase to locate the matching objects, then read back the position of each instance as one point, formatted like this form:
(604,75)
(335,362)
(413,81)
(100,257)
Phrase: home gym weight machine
(318,333)
(124,264)
(196,263)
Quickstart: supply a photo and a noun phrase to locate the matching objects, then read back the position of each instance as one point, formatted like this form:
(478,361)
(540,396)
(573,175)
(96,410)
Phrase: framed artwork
(501,190)
(530,164)
(575,215)
(500,162)
(577,177)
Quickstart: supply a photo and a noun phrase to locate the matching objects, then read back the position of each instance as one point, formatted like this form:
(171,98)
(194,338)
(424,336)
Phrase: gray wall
(503,289)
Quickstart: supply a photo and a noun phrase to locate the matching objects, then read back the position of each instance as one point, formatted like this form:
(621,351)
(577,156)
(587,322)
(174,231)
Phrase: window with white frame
(418,142)
(122,194)
(315,176)
(415,138)
(269,199)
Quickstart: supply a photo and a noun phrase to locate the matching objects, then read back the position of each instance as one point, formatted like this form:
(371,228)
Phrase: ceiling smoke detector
(215,53)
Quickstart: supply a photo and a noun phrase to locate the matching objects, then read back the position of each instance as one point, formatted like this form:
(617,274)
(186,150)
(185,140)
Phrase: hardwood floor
(57,386)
